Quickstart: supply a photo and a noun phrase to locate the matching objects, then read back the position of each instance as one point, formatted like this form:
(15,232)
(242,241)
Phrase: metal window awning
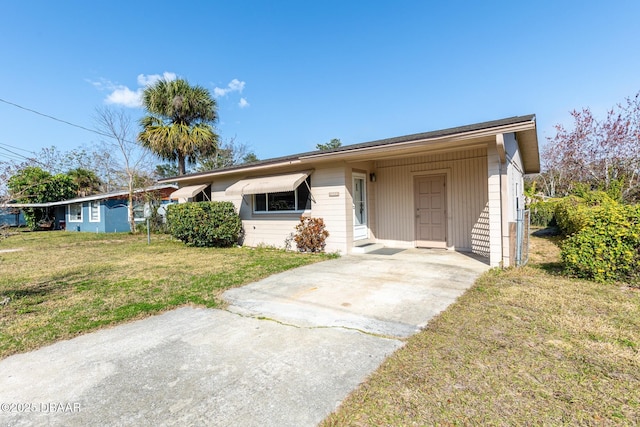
(188,192)
(268,184)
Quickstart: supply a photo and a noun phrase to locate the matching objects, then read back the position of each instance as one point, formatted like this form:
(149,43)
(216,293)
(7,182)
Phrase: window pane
(95,211)
(282,201)
(261,204)
(75,212)
(138,210)
(304,201)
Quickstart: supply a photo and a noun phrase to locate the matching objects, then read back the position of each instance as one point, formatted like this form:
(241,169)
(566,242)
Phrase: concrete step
(366,248)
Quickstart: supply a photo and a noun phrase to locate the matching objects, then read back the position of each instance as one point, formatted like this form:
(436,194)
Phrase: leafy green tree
(227,154)
(35,185)
(86,180)
(334,143)
(250,158)
(166,170)
(180,122)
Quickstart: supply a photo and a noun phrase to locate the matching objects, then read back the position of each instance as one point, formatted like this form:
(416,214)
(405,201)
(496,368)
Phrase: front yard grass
(57,285)
(523,347)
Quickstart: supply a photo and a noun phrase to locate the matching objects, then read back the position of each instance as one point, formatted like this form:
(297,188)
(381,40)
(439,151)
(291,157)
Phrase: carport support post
(497,189)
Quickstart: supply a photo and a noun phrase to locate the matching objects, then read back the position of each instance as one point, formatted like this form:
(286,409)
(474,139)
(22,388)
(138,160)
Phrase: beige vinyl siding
(330,195)
(259,229)
(466,172)
(274,229)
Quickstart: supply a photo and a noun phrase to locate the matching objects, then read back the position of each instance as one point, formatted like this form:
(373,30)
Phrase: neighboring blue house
(12,217)
(98,213)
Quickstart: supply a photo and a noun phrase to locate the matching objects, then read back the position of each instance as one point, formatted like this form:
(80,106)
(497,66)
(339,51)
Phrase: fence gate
(522,236)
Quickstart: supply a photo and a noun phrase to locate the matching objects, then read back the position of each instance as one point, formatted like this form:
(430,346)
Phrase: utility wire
(14,155)
(55,118)
(18,148)
(63,121)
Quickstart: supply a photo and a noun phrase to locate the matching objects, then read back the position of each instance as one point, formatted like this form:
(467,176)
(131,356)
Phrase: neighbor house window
(288,201)
(94,211)
(138,211)
(75,212)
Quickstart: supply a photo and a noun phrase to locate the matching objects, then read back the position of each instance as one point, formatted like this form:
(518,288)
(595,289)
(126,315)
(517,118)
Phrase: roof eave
(521,125)
(463,136)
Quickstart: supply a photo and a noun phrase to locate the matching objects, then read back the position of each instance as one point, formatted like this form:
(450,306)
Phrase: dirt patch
(4,251)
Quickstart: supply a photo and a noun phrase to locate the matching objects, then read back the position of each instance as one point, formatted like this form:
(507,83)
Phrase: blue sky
(291,74)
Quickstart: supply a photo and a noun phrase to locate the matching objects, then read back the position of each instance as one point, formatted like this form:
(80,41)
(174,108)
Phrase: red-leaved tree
(597,153)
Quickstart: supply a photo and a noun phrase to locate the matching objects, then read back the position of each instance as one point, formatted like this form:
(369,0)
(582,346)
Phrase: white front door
(360,228)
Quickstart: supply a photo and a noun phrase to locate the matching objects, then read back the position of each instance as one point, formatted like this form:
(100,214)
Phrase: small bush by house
(311,235)
(204,223)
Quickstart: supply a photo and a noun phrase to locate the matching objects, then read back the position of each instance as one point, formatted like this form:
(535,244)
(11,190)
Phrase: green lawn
(522,347)
(61,284)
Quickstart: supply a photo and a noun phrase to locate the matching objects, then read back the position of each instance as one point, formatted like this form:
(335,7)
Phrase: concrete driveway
(286,351)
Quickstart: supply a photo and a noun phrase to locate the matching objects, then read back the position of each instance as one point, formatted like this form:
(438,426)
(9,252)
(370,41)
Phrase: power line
(55,118)
(61,120)
(14,155)
(18,148)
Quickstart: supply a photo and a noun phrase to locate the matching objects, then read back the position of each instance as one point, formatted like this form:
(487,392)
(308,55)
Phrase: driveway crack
(347,328)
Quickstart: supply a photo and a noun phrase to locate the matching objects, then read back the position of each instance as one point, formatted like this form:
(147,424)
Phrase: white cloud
(152,78)
(243,103)
(126,97)
(219,92)
(234,85)
(123,95)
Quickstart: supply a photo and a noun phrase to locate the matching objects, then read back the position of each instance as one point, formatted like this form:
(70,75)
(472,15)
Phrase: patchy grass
(57,285)
(522,347)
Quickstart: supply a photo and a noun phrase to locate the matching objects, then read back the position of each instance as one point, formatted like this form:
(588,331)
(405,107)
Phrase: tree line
(178,128)
(595,153)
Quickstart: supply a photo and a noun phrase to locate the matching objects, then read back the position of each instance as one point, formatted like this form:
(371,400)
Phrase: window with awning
(278,193)
(188,192)
(268,184)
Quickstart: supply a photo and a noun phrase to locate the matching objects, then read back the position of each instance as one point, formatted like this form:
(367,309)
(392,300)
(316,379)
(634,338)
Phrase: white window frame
(74,218)
(94,204)
(137,203)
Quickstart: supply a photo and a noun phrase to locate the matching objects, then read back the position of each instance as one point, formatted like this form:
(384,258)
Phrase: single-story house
(99,213)
(458,189)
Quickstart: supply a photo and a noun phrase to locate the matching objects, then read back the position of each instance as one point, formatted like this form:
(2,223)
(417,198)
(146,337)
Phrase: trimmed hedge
(204,223)
(604,238)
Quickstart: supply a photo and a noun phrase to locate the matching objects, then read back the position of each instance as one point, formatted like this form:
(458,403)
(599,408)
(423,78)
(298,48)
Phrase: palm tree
(180,122)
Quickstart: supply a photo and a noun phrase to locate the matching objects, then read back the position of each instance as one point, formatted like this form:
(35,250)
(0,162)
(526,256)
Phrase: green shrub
(204,223)
(607,247)
(311,235)
(543,212)
(572,212)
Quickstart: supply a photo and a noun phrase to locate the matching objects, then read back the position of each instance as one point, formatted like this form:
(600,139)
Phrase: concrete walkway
(286,352)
